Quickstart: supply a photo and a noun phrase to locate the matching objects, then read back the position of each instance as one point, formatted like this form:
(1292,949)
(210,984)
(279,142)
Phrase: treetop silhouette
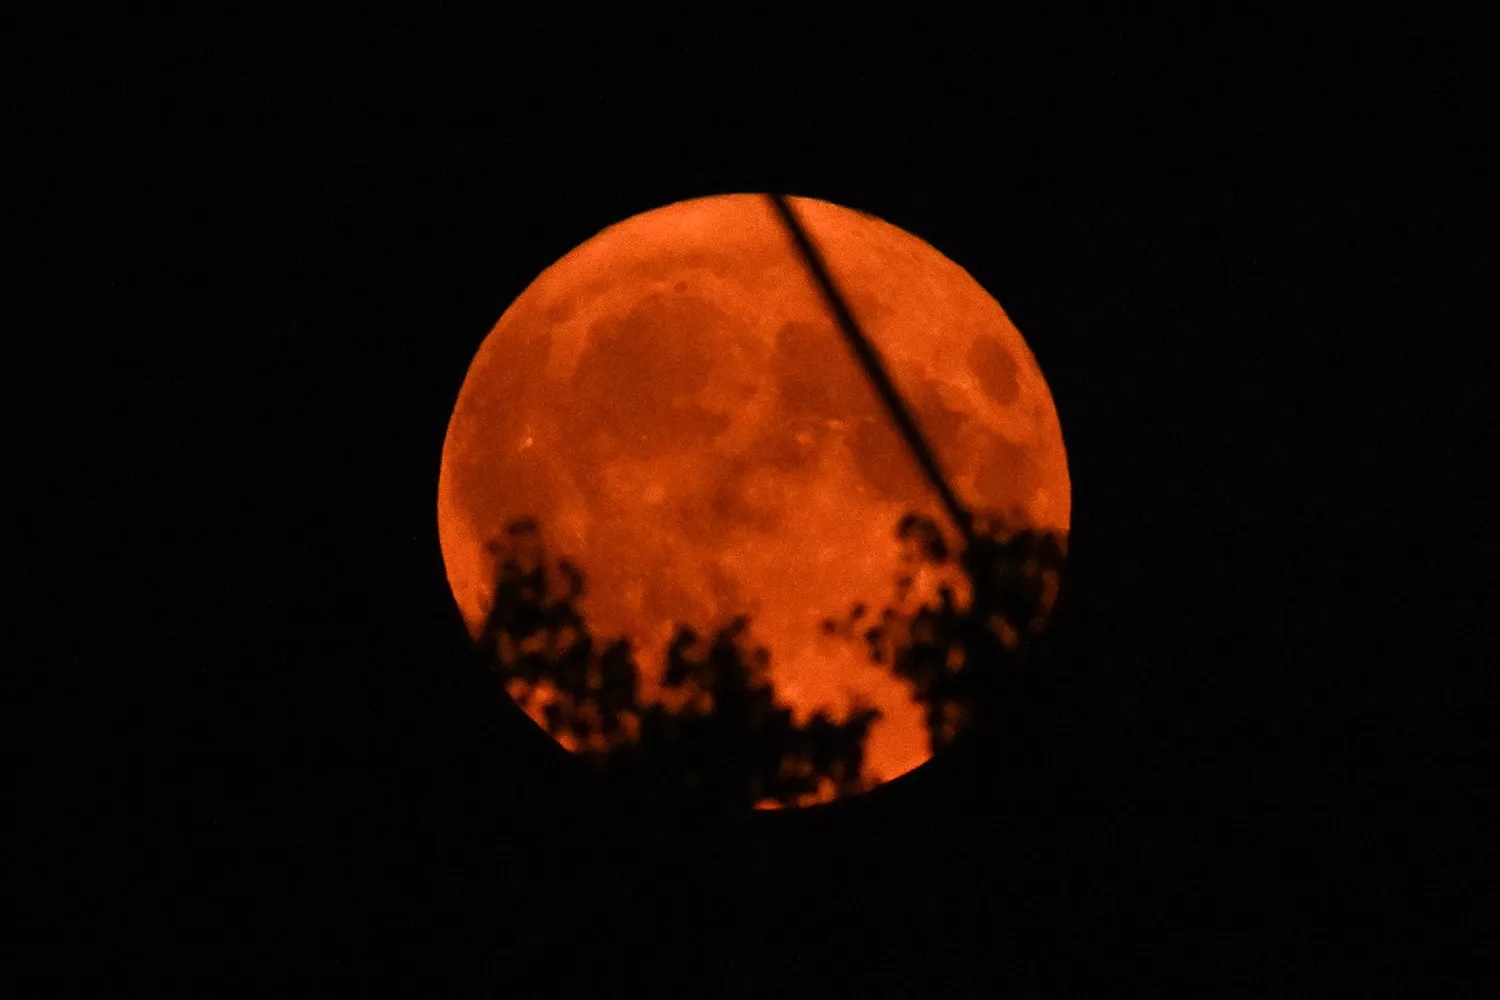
(717,731)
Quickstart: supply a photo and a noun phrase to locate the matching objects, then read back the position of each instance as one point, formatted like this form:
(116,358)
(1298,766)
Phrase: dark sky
(270,762)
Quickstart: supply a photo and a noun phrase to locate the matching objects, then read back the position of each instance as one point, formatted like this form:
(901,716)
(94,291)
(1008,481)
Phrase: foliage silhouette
(716,732)
(968,659)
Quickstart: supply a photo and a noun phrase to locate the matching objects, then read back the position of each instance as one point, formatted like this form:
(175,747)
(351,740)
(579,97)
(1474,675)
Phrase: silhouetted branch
(718,730)
(965,660)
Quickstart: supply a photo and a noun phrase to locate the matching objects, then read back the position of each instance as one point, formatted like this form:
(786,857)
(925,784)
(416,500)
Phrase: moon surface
(675,406)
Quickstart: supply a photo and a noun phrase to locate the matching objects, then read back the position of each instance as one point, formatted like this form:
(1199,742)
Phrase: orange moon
(674,404)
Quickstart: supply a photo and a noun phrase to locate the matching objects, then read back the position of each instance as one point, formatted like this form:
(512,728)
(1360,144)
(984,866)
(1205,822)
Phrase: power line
(875,370)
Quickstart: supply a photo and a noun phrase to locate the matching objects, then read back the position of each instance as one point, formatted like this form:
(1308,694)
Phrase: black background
(266,257)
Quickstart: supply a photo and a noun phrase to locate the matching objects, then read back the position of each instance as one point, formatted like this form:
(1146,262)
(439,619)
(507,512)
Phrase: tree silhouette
(967,659)
(717,731)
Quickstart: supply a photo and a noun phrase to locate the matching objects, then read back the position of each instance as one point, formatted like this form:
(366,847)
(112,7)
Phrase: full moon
(674,405)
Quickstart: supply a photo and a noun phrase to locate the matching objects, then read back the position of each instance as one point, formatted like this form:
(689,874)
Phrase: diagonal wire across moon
(875,370)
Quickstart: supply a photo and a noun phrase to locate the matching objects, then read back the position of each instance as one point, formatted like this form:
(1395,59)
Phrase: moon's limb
(673,404)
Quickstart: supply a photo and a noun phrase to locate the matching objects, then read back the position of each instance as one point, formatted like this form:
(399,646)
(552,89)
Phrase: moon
(673,403)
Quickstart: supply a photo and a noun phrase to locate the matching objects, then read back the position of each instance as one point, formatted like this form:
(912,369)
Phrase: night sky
(270,762)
